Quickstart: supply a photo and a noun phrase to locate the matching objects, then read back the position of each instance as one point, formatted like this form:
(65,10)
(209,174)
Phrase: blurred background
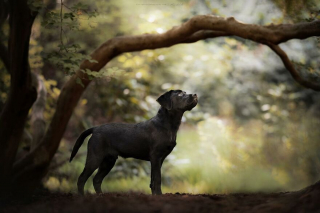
(254,129)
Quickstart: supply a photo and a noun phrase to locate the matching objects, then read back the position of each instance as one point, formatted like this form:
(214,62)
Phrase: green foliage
(68,57)
(35,59)
(109,72)
(299,10)
(35,5)
(79,82)
(68,61)
(51,19)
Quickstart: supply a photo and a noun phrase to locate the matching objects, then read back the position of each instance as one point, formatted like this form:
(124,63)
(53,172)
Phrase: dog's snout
(194,95)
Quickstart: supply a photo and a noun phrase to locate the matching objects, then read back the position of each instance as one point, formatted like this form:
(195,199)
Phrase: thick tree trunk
(29,171)
(22,94)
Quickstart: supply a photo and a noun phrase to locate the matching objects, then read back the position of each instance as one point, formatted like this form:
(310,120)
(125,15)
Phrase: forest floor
(138,202)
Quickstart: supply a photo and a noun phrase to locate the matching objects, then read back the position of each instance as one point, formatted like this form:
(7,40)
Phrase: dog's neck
(170,119)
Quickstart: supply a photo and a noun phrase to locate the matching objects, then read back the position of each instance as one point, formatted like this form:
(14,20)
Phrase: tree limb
(201,27)
(290,67)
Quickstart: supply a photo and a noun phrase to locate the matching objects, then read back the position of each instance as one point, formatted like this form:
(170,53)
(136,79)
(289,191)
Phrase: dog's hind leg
(87,172)
(92,163)
(104,169)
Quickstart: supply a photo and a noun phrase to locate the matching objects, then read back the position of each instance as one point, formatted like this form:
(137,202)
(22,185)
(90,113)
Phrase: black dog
(152,140)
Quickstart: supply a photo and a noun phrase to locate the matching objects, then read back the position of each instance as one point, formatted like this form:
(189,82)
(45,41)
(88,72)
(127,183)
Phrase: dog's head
(178,100)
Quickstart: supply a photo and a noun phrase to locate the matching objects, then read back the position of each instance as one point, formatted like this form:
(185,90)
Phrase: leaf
(69,16)
(78,81)
(93,61)
(35,5)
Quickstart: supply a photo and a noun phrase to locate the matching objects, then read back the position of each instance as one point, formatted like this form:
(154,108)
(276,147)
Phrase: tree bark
(21,94)
(34,165)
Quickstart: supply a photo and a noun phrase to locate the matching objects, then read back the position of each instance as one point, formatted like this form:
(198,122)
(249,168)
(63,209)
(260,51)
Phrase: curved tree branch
(204,34)
(290,67)
(197,28)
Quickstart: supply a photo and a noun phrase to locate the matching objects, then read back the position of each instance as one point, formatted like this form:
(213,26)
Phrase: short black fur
(152,140)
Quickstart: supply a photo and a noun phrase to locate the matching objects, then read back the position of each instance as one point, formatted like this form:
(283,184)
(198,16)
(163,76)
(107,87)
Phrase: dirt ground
(138,202)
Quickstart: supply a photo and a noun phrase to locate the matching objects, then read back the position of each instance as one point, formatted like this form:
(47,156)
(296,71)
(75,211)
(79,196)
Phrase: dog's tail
(79,142)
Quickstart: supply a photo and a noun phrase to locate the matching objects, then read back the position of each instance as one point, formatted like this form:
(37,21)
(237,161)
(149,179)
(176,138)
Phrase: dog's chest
(164,142)
(170,142)
(169,138)
(165,148)
(171,145)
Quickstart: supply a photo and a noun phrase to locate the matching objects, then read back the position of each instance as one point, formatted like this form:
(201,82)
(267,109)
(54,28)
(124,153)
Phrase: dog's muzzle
(193,103)
(195,97)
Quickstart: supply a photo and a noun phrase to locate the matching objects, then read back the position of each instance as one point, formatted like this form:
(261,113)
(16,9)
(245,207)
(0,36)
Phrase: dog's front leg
(156,176)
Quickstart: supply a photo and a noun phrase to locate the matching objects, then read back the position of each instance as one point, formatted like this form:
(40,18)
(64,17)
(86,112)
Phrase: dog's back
(126,140)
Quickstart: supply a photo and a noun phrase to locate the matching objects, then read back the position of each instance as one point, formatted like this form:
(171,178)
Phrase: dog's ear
(165,100)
